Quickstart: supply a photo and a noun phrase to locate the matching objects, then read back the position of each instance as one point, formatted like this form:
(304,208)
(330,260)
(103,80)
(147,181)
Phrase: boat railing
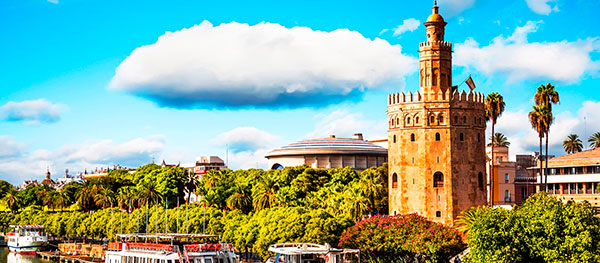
(151,247)
(207,247)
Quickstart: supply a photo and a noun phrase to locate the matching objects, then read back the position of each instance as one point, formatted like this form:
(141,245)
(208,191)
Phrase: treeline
(339,191)
(543,229)
(255,232)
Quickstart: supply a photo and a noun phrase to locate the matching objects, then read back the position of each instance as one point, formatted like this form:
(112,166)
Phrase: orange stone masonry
(436,138)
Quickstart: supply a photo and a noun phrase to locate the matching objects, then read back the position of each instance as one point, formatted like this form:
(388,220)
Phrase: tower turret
(435,56)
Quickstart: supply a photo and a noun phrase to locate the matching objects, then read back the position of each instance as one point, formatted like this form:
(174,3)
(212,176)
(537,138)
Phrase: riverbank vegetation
(543,229)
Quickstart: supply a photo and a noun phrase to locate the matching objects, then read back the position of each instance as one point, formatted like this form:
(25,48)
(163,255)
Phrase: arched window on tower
(412,137)
(438,179)
(462,137)
(478,137)
(431,120)
(394,140)
(407,121)
(392,122)
(394,180)
(464,119)
(417,120)
(480,181)
(437,136)
(434,81)
(441,118)
(398,121)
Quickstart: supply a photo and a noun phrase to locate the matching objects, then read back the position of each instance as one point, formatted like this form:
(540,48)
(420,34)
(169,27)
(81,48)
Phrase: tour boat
(169,248)
(27,238)
(312,253)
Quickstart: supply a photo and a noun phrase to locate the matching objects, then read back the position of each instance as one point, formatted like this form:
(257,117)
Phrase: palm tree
(572,144)
(355,204)
(540,118)
(85,196)
(148,192)
(494,107)
(240,199)
(594,140)
(465,221)
(498,139)
(372,186)
(546,95)
(12,201)
(266,193)
(104,198)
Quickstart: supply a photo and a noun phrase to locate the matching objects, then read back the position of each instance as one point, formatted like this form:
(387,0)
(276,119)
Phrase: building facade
(573,177)
(524,182)
(504,177)
(436,138)
(328,153)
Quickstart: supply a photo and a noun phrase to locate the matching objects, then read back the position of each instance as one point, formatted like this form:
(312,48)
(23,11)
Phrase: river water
(6,257)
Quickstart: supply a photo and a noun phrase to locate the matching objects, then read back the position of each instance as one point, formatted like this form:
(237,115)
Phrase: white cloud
(410,24)
(24,165)
(542,7)
(343,123)
(53,1)
(246,139)
(264,65)
(516,127)
(32,111)
(10,148)
(518,59)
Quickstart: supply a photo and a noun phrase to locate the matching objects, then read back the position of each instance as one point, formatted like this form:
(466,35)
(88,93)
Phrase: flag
(470,83)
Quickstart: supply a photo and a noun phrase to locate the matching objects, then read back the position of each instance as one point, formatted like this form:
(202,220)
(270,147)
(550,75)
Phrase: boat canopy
(27,226)
(308,248)
(165,236)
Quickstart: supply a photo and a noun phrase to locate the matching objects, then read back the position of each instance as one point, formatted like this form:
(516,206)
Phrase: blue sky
(88,83)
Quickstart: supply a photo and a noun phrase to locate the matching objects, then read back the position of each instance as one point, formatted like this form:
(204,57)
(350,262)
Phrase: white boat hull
(28,247)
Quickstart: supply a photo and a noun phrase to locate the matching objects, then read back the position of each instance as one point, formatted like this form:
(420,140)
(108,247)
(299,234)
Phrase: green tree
(494,107)
(265,193)
(373,185)
(12,201)
(5,187)
(594,140)
(499,140)
(542,229)
(572,144)
(541,118)
(104,198)
(240,198)
(547,95)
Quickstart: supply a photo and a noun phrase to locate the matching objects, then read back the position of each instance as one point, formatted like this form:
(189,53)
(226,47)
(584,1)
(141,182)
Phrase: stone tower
(436,138)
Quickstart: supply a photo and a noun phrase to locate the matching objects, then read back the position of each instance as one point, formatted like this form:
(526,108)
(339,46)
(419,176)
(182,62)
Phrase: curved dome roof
(435,18)
(328,146)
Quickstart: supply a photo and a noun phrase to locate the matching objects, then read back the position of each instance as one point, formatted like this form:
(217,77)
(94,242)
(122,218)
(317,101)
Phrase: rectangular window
(507,196)
(506,178)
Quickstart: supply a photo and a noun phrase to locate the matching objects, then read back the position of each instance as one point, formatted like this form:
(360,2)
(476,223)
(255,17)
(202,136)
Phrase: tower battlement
(472,97)
(438,43)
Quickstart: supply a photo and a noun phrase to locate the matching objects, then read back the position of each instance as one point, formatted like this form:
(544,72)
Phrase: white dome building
(329,153)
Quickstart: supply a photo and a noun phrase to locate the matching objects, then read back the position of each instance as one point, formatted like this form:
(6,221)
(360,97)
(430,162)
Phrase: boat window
(208,260)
